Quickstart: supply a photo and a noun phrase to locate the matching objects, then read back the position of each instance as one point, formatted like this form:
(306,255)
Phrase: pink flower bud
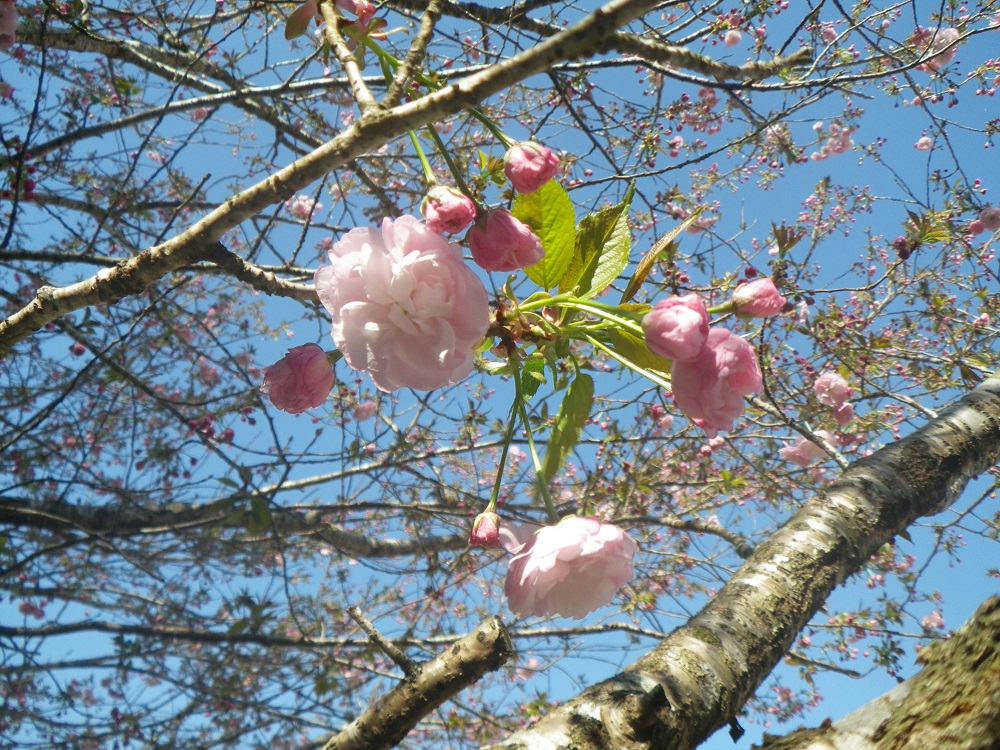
(300,380)
(732,38)
(448,210)
(485,530)
(677,327)
(8,24)
(758,299)
(500,242)
(844,413)
(990,218)
(569,569)
(529,165)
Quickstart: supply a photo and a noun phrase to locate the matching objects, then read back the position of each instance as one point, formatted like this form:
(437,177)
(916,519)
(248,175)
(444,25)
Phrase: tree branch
(389,719)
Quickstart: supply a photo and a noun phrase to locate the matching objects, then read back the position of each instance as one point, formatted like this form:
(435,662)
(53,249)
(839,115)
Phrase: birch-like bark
(953,703)
(389,719)
(698,678)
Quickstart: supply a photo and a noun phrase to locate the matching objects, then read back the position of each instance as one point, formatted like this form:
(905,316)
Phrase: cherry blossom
(300,380)
(500,242)
(485,530)
(831,389)
(448,210)
(529,165)
(990,218)
(710,388)
(804,451)
(404,304)
(758,299)
(677,327)
(568,569)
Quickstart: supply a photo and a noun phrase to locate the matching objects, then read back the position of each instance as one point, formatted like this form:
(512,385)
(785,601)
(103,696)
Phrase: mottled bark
(699,677)
(953,703)
(389,719)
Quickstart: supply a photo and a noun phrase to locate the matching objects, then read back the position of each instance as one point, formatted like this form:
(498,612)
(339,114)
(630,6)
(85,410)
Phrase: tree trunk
(953,703)
(698,678)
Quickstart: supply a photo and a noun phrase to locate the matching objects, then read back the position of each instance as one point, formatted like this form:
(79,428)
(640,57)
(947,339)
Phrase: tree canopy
(189,190)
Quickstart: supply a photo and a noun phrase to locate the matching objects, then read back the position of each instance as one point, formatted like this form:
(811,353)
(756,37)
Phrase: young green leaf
(549,213)
(603,244)
(634,349)
(667,244)
(572,416)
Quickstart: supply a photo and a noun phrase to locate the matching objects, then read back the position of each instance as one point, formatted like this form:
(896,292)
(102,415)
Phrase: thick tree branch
(948,705)
(700,676)
(389,719)
(371,130)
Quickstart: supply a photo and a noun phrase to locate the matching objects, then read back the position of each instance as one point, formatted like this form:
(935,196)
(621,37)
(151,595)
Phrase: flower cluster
(568,569)
(833,391)
(942,44)
(302,206)
(405,306)
(713,369)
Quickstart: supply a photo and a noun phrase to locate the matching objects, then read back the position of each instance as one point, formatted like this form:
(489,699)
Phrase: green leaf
(666,244)
(572,416)
(298,20)
(634,349)
(602,248)
(549,213)
(532,376)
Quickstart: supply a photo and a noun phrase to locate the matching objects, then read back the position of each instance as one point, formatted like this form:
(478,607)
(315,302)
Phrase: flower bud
(500,242)
(485,530)
(529,165)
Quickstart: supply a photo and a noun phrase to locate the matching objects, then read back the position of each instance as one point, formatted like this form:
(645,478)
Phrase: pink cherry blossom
(804,451)
(303,206)
(569,569)
(710,388)
(529,165)
(941,43)
(363,9)
(485,530)
(404,304)
(990,218)
(448,210)
(300,380)
(500,242)
(758,299)
(924,144)
(933,621)
(6,90)
(8,24)
(831,389)
(365,411)
(732,38)
(844,413)
(677,327)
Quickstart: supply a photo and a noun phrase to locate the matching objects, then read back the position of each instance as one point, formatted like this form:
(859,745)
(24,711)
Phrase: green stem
(543,486)
(648,374)
(452,167)
(492,506)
